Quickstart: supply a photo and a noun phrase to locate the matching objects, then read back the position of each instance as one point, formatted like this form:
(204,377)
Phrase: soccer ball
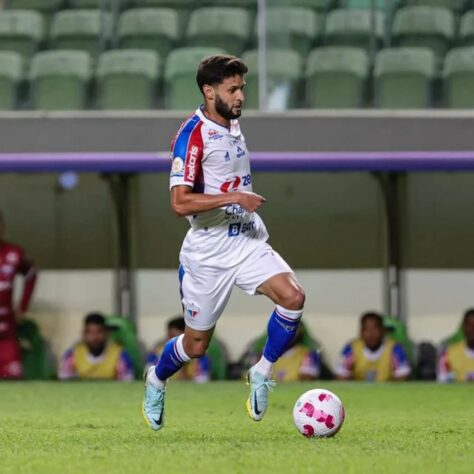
(318,413)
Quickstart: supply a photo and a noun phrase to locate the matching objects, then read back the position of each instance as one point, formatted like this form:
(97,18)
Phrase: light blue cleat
(153,407)
(257,402)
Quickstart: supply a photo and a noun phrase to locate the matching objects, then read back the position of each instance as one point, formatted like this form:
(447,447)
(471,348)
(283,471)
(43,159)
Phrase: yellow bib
(461,364)
(379,370)
(287,367)
(105,369)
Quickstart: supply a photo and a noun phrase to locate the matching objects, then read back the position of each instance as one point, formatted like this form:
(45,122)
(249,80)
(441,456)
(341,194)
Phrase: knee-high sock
(171,360)
(281,330)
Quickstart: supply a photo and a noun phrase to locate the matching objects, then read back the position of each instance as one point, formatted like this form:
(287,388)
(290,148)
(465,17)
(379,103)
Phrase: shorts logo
(192,311)
(177,167)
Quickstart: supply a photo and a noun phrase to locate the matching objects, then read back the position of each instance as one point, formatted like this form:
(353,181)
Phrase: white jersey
(213,159)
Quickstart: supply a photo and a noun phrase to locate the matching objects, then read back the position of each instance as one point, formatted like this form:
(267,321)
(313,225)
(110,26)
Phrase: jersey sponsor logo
(214,135)
(233,211)
(240,152)
(240,228)
(231,185)
(177,167)
(193,154)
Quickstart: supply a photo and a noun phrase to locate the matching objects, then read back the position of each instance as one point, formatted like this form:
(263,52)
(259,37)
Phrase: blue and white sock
(171,360)
(281,330)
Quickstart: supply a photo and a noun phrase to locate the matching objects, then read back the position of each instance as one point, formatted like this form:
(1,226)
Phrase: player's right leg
(205,291)
(177,351)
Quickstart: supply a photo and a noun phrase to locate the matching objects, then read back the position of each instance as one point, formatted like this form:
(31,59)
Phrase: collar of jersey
(210,122)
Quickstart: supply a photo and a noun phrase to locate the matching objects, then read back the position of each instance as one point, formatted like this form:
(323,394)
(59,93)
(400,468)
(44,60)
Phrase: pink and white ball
(318,413)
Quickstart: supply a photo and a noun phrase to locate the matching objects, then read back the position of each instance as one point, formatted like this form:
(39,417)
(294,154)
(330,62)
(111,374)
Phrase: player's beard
(224,110)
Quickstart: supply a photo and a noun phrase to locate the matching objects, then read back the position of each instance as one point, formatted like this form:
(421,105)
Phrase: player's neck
(215,117)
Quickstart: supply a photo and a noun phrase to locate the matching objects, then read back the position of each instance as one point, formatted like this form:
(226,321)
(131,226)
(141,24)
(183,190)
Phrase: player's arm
(184,202)
(344,370)
(30,275)
(67,369)
(400,364)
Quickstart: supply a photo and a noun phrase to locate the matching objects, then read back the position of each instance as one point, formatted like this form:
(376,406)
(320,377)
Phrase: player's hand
(250,201)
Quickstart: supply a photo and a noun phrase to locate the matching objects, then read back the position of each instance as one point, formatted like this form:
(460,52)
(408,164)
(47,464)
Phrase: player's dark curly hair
(468,314)
(94,318)
(214,69)
(371,315)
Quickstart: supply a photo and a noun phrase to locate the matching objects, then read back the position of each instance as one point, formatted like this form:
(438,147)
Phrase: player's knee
(294,299)
(196,348)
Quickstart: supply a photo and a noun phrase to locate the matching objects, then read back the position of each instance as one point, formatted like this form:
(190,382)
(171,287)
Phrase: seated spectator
(456,362)
(96,357)
(373,357)
(299,362)
(197,370)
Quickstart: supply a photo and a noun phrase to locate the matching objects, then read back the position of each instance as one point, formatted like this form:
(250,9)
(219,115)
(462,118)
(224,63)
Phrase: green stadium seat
(453,5)
(317,5)
(353,28)
(59,79)
(127,79)
(284,69)
(84,30)
(149,28)
(230,3)
(96,4)
(336,77)
(226,28)
(466,29)
(403,78)
(11,73)
(166,3)
(123,333)
(458,77)
(21,31)
(292,28)
(367,4)
(182,92)
(424,27)
(36,357)
(43,6)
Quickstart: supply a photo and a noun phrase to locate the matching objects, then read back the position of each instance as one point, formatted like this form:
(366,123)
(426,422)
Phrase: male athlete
(211,186)
(12,264)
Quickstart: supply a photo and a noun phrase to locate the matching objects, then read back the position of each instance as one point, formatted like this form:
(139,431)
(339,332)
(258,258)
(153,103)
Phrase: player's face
(229,97)
(95,338)
(469,331)
(372,334)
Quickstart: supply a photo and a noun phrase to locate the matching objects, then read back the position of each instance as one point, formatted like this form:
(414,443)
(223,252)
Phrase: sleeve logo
(177,167)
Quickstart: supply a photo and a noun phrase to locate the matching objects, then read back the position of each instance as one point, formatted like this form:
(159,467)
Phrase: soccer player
(96,357)
(373,357)
(456,362)
(12,263)
(211,186)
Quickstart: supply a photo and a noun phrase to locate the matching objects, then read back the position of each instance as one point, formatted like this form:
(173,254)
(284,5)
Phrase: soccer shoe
(153,407)
(257,402)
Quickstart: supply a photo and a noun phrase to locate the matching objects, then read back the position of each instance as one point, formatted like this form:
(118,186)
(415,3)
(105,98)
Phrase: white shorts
(205,290)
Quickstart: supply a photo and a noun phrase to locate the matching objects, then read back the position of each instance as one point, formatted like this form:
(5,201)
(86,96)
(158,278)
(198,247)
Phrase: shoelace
(154,402)
(269,385)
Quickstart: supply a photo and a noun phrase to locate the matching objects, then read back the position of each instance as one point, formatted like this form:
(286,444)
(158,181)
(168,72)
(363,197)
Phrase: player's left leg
(267,273)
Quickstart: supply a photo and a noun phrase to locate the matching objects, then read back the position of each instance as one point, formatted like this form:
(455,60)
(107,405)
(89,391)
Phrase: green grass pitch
(98,428)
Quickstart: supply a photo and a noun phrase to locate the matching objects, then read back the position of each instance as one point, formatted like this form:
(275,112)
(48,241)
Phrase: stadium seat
(292,28)
(230,3)
(335,77)
(127,79)
(85,30)
(36,357)
(59,80)
(284,68)
(367,4)
(11,72)
(21,31)
(453,5)
(226,28)
(403,78)
(43,6)
(345,27)
(149,28)
(429,27)
(180,77)
(466,29)
(123,333)
(317,5)
(458,77)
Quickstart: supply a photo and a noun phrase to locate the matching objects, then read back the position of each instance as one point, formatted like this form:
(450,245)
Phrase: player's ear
(208,91)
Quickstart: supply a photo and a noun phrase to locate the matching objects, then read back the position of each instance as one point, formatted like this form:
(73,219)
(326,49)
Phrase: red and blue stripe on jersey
(188,146)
